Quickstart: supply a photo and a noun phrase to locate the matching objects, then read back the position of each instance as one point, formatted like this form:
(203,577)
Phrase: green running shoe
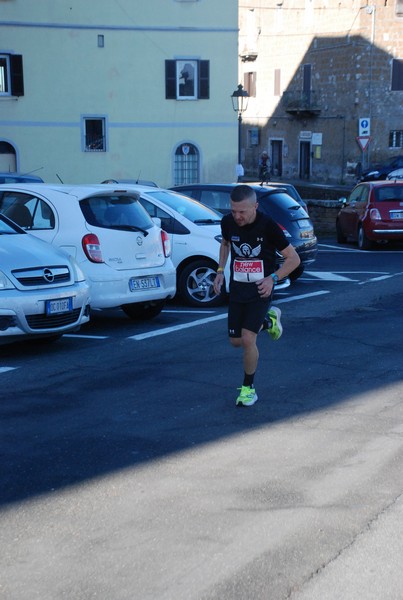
(247,397)
(273,317)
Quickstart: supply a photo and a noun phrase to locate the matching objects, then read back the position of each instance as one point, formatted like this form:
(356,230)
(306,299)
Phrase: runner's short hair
(243,192)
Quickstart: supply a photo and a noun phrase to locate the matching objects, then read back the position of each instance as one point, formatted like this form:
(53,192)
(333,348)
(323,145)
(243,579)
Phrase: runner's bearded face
(244,212)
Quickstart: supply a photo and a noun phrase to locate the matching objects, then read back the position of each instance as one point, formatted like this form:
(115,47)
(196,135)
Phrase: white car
(195,234)
(124,255)
(397,174)
(43,292)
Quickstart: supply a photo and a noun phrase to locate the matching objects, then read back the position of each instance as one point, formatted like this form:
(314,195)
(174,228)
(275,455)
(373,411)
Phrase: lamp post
(239,103)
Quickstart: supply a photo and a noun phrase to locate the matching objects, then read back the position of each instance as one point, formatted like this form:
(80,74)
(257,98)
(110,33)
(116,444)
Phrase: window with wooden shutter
(249,83)
(170,79)
(17,77)
(187,79)
(11,75)
(204,79)
(397,75)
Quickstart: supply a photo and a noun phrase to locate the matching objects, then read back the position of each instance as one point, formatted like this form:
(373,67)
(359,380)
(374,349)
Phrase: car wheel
(195,285)
(341,238)
(363,242)
(143,310)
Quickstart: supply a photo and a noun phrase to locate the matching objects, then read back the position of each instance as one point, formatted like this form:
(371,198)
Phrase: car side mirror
(343,200)
(157,221)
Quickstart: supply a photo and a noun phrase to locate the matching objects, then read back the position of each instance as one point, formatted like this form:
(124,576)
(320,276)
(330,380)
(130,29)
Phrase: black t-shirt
(253,253)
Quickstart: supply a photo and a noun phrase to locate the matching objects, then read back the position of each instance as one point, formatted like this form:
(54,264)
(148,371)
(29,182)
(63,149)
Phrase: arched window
(186,167)
(8,159)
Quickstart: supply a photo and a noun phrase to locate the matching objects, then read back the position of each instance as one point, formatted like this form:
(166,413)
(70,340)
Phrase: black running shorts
(247,315)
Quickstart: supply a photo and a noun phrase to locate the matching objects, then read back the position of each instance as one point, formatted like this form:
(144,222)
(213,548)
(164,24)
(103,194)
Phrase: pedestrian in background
(264,168)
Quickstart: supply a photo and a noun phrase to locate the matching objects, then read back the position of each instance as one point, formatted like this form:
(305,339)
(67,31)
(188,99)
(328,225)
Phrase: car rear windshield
(191,209)
(115,211)
(389,193)
(282,201)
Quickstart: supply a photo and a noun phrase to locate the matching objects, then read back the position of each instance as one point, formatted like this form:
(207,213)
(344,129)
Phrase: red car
(373,212)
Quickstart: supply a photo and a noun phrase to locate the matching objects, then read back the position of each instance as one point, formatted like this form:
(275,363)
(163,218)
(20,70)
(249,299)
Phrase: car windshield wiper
(128,228)
(294,207)
(206,221)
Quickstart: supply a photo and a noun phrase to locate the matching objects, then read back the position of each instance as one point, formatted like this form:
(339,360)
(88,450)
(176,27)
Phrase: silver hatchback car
(43,292)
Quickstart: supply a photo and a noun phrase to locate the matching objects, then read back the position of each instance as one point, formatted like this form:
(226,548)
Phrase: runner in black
(252,239)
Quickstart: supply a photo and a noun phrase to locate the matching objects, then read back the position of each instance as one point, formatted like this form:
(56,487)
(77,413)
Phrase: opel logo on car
(48,275)
(139,241)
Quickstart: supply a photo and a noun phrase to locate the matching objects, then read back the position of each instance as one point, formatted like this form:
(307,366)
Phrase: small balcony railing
(301,103)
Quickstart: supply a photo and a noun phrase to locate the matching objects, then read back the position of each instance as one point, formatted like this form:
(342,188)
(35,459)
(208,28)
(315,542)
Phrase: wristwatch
(275,278)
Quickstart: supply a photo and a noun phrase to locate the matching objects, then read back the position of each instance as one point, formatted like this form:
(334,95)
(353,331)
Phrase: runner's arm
(225,249)
(291,262)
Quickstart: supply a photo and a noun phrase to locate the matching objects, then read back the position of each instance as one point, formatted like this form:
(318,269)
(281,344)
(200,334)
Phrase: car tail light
(92,248)
(166,243)
(283,229)
(375,215)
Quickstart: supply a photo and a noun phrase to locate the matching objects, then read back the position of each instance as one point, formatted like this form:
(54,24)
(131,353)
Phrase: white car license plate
(143,283)
(55,307)
(397,214)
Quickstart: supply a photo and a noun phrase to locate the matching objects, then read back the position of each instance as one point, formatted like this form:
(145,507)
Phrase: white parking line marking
(380,278)
(195,312)
(143,336)
(330,248)
(328,276)
(151,334)
(301,297)
(5,369)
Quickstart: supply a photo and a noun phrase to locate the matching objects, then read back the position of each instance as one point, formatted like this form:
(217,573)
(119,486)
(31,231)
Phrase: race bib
(248,271)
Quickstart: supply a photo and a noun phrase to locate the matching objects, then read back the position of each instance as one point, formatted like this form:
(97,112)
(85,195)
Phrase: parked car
(19,178)
(276,203)
(123,253)
(132,181)
(289,188)
(380,171)
(43,292)
(195,234)
(373,212)
(397,174)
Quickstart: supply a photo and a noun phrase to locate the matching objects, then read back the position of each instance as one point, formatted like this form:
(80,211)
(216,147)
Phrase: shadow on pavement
(171,396)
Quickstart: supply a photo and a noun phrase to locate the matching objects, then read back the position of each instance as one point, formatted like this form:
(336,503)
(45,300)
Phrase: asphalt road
(127,473)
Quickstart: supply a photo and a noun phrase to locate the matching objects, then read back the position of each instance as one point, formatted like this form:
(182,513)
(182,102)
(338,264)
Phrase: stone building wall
(323,205)
(350,47)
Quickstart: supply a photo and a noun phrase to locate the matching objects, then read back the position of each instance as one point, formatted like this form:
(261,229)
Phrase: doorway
(304,160)
(276,152)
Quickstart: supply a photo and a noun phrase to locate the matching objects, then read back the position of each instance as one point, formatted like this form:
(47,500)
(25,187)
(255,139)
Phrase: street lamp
(239,103)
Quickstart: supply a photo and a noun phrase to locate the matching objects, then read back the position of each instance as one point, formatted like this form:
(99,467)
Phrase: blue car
(18,178)
(275,202)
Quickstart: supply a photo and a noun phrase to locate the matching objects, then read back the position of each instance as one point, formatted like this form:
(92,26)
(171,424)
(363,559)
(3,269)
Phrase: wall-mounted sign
(317,139)
(305,135)
(253,136)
